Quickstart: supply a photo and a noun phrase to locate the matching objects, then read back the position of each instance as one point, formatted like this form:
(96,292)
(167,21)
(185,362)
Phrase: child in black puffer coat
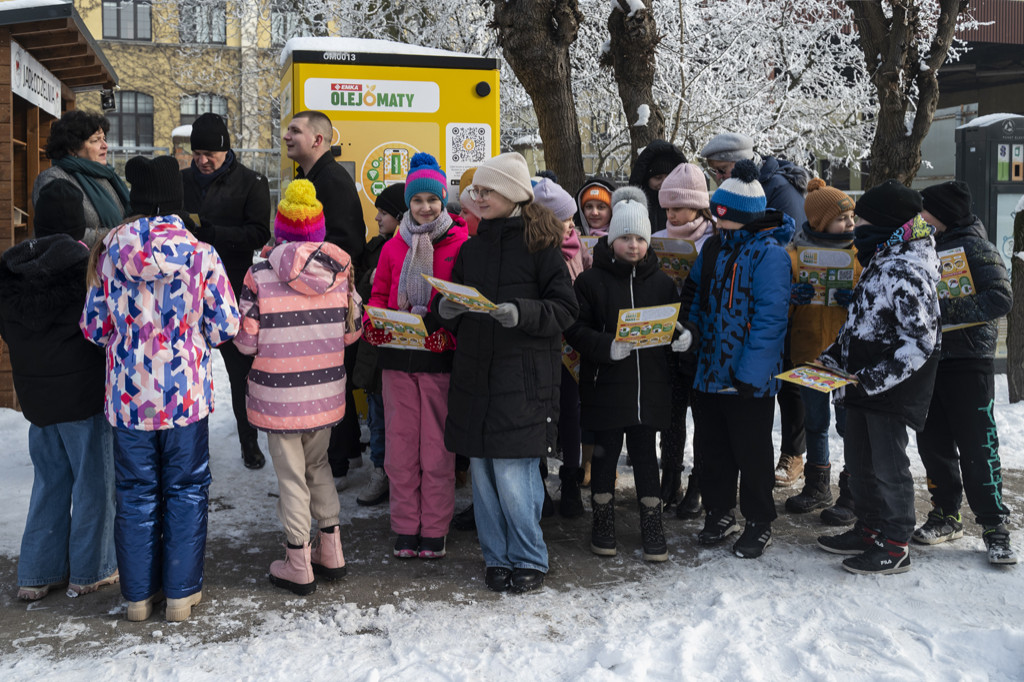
(625,392)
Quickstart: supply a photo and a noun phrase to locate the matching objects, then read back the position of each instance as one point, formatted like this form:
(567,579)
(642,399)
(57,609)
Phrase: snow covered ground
(705,615)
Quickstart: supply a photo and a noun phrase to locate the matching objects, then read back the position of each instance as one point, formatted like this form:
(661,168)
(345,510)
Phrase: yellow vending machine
(388,101)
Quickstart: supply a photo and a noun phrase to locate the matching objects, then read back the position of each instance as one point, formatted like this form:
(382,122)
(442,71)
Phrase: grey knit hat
(728,147)
(550,194)
(629,214)
(508,175)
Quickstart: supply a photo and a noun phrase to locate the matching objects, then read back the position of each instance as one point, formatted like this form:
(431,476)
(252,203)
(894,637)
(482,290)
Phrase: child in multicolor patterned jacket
(299,311)
(159,299)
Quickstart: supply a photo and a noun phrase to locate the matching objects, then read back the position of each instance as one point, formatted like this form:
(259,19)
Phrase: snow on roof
(987,119)
(27,4)
(182,131)
(360,45)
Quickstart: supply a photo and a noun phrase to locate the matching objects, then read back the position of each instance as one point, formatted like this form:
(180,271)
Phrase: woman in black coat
(506,373)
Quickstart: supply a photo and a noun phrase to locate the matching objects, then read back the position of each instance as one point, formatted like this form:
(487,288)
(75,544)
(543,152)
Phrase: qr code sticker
(468,143)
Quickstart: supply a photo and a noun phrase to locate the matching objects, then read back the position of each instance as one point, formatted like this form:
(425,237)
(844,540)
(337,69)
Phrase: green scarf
(86,173)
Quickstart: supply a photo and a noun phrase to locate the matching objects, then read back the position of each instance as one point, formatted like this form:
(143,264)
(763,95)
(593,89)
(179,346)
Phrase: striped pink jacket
(299,310)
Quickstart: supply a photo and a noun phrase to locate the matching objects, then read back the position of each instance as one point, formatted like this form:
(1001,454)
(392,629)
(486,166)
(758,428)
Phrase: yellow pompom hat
(300,216)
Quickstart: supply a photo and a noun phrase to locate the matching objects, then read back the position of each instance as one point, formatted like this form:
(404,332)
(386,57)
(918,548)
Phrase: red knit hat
(300,216)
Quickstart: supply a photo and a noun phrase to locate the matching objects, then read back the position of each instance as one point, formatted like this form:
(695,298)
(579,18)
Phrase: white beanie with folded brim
(508,175)
(629,214)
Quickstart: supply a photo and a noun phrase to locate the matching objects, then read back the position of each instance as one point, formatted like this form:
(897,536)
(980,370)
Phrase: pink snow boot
(326,555)
(295,573)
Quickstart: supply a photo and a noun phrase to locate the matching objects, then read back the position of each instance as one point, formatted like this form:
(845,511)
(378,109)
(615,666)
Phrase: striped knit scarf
(413,290)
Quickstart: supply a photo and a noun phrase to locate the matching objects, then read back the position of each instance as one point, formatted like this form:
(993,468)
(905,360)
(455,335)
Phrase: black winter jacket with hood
(58,375)
(503,400)
(638,389)
(642,172)
(992,297)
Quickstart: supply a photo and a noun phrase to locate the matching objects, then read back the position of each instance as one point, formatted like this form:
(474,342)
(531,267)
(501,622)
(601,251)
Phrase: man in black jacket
(230,205)
(960,433)
(307,141)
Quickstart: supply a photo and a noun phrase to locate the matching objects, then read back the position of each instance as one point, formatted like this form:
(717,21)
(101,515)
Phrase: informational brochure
(817,376)
(462,294)
(589,242)
(955,281)
(407,329)
(648,327)
(827,270)
(571,359)
(675,256)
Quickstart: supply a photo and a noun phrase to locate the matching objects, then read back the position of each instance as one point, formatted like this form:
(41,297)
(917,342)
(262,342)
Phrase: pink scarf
(692,230)
(575,255)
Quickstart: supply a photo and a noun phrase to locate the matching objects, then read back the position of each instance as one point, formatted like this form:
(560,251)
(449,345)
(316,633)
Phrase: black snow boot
(841,514)
(570,505)
(689,507)
(817,492)
(602,535)
(465,519)
(652,534)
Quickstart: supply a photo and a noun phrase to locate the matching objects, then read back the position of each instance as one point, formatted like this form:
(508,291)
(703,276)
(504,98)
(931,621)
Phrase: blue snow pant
(163,482)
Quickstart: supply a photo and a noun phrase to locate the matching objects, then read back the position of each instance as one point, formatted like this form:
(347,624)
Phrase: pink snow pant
(421,471)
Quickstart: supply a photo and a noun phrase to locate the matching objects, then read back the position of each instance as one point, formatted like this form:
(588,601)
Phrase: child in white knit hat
(625,392)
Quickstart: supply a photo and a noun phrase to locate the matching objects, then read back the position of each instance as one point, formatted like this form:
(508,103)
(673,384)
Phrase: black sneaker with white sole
(939,527)
(718,525)
(853,541)
(756,537)
(884,557)
(997,540)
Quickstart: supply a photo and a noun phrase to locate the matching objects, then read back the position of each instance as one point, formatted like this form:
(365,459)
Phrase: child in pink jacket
(299,312)
(420,468)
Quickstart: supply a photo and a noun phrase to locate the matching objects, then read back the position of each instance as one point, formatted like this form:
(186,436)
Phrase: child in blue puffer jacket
(740,286)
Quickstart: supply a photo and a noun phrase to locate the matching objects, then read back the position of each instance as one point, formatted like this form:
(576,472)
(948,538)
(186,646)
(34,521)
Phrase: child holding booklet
(812,328)
(684,196)
(420,469)
(625,392)
(959,444)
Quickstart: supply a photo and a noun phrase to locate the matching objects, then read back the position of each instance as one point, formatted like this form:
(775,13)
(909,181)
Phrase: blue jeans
(817,418)
(508,496)
(73,467)
(163,482)
(375,419)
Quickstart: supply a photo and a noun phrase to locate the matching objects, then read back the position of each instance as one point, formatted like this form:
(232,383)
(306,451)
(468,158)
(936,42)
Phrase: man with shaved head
(307,141)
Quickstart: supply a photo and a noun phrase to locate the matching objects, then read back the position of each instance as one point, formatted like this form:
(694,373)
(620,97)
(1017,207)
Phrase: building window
(194,105)
(131,125)
(129,20)
(200,22)
(290,19)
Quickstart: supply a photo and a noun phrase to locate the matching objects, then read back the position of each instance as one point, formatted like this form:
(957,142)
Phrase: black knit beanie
(949,202)
(392,200)
(60,210)
(156,185)
(210,134)
(890,204)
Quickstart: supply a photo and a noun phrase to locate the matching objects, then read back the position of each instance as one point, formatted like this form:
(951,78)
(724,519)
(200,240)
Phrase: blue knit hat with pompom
(740,198)
(425,176)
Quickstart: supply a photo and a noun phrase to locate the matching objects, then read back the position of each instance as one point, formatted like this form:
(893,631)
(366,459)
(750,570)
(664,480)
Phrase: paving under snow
(705,615)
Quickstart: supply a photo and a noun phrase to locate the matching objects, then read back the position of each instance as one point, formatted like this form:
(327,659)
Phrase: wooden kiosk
(47,56)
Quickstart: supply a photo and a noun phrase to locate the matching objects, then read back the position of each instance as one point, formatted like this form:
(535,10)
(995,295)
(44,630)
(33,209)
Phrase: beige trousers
(304,482)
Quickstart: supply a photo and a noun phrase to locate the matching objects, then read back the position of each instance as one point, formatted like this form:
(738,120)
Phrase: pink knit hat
(685,187)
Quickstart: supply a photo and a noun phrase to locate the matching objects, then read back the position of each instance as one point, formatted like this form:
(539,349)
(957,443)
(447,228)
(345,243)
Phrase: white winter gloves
(506,314)
(620,350)
(684,340)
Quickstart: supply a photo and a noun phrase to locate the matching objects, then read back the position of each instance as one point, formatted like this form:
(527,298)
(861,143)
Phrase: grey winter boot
(652,533)
(817,493)
(602,535)
(841,514)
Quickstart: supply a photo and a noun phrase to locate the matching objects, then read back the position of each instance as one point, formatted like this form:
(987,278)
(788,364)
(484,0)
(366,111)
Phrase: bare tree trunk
(893,59)
(1015,320)
(535,37)
(631,55)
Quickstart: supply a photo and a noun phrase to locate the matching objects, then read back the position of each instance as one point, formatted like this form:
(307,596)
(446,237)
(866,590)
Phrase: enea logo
(372,96)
